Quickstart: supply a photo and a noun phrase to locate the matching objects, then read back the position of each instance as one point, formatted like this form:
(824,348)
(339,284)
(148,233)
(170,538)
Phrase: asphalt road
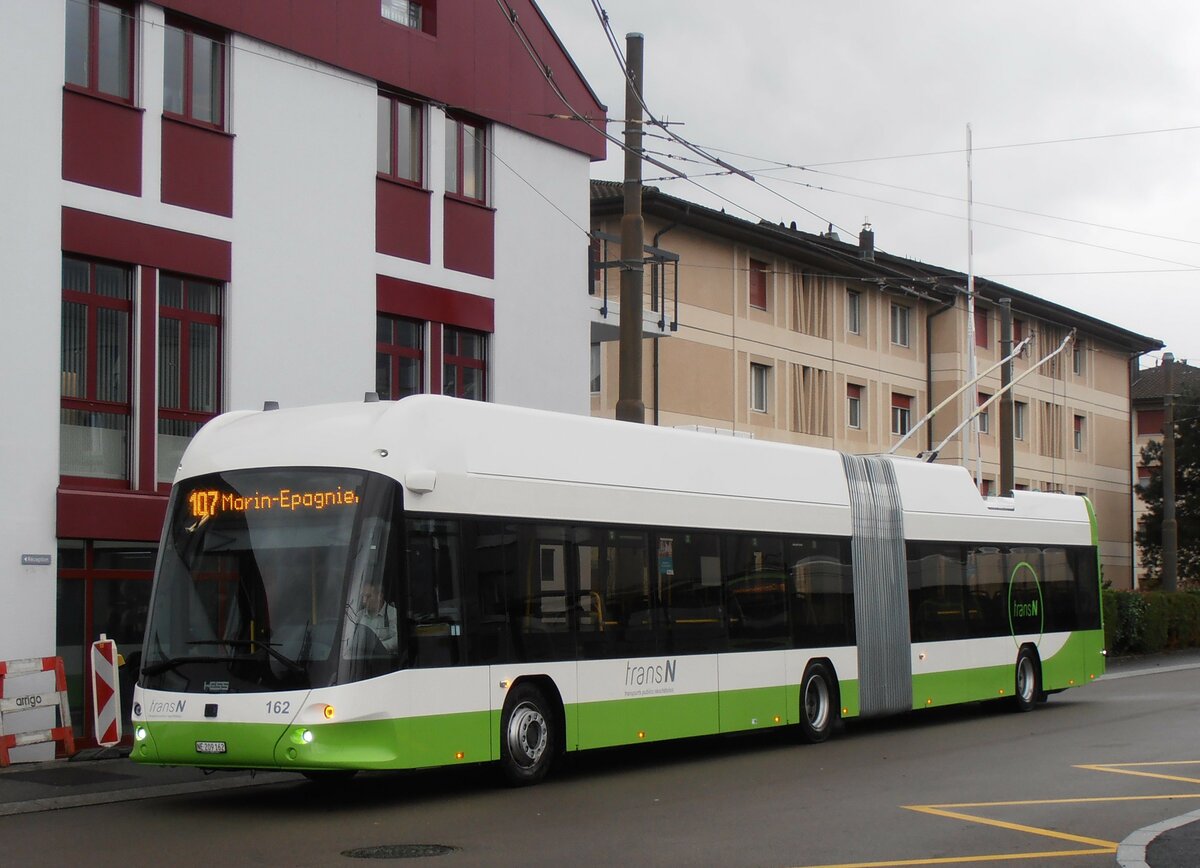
(1061,786)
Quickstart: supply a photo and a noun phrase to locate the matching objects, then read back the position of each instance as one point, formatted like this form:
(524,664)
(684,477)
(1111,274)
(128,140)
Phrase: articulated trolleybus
(433,581)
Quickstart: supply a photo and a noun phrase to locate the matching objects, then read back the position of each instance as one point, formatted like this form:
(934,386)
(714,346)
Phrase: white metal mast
(971,447)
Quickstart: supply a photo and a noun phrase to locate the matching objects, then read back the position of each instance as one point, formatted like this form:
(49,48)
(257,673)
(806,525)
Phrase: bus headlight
(139,734)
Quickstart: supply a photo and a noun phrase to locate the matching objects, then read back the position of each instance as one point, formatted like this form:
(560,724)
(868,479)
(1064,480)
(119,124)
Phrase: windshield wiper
(175,662)
(291,664)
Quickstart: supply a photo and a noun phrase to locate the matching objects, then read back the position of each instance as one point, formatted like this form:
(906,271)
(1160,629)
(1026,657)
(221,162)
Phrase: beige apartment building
(761,330)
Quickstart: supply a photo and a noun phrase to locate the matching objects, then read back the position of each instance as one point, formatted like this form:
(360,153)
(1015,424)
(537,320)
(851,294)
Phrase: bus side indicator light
(459,755)
(1001,691)
(929,701)
(641,733)
(845,711)
(778,718)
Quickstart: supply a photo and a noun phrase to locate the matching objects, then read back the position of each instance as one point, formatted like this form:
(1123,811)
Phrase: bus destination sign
(208,503)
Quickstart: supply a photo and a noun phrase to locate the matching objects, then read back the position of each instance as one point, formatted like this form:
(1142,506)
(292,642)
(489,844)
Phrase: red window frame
(392,172)
(451,359)
(758,284)
(89,401)
(394,351)
(455,183)
(186,317)
(92,64)
(1150,421)
(190,30)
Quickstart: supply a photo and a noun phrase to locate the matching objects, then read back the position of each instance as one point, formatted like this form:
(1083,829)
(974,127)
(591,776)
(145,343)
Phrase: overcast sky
(836,86)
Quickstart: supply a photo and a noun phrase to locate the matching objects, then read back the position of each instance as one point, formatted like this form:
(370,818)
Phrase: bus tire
(528,736)
(818,704)
(1028,680)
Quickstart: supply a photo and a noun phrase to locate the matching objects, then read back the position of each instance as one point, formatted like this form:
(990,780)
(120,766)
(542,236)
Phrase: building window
(854,405)
(406,12)
(96,311)
(758,284)
(194,74)
(1077,353)
(399,357)
(982,399)
(189,364)
(1144,475)
(466,163)
(596,369)
(900,315)
(901,405)
(759,383)
(853,312)
(985,487)
(399,139)
(1078,433)
(982,337)
(464,358)
(1020,411)
(99,55)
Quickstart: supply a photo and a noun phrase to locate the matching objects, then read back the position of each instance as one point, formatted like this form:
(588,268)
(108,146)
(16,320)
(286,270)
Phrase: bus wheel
(527,736)
(817,708)
(1029,688)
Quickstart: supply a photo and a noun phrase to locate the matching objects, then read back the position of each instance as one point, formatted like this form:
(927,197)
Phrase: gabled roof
(835,256)
(1150,384)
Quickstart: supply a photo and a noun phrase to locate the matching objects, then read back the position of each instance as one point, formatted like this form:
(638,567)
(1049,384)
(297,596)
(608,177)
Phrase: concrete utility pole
(1170,529)
(630,407)
(1007,476)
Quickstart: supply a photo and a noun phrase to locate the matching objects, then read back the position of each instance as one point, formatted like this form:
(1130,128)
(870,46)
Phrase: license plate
(210,747)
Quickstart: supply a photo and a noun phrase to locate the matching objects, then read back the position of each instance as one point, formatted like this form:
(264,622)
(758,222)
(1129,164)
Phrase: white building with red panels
(209,205)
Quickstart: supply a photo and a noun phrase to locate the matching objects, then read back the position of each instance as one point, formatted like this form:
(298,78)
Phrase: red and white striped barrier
(32,701)
(106,692)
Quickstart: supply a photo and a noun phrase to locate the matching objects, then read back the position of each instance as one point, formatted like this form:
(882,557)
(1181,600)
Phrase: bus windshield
(269,580)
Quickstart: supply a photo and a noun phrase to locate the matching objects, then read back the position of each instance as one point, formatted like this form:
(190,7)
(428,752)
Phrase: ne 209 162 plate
(210,747)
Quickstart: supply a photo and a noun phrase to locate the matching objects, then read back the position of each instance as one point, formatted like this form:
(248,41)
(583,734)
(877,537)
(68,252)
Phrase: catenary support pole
(1170,529)
(1007,473)
(630,406)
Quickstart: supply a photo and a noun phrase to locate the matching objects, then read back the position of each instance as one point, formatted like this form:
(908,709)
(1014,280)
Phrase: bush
(1147,623)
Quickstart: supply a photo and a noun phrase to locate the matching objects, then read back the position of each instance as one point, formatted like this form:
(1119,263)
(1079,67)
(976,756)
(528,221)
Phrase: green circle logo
(1026,607)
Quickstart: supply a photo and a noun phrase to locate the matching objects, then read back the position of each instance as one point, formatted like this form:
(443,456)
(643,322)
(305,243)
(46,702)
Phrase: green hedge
(1146,623)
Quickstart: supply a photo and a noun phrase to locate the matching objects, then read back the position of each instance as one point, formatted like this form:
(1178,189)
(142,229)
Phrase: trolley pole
(1170,529)
(630,406)
(1007,475)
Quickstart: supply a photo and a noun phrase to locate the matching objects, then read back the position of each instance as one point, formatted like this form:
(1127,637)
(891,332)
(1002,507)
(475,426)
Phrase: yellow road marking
(1102,848)
(962,860)
(1128,769)
(1014,826)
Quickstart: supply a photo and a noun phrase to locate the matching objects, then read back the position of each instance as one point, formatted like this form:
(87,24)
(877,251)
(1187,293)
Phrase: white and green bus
(434,581)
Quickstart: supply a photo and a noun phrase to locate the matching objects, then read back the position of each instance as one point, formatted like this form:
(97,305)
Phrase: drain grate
(399,851)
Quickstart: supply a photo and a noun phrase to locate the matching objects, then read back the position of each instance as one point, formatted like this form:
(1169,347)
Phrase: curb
(134,794)
(1131,853)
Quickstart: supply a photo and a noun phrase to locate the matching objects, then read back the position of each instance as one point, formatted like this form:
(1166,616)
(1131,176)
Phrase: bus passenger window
(434,613)
(538,594)
(821,583)
(756,590)
(689,586)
